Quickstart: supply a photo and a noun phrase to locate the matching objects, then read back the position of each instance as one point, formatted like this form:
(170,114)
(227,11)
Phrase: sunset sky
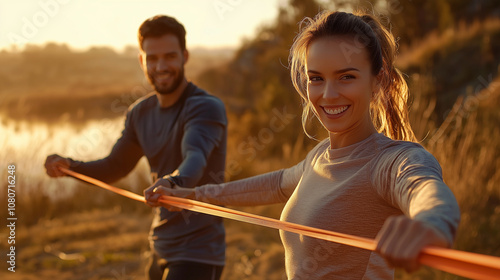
(84,23)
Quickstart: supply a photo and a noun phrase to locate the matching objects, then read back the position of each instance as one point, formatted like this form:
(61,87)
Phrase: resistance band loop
(466,264)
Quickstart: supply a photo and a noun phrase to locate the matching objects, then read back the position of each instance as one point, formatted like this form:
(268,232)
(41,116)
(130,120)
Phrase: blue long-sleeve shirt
(187,140)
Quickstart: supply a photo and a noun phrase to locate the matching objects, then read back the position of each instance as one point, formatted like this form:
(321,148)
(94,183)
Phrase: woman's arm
(268,188)
(413,183)
(256,190)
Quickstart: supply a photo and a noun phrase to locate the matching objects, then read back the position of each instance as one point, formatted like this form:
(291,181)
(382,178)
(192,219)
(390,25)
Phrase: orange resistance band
(461,263)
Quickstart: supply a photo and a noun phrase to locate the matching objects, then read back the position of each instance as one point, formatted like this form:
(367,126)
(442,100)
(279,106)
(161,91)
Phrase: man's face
(162,60)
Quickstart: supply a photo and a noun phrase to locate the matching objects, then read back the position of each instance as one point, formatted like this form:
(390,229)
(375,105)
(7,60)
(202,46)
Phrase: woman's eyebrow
(311,71)
(346,70)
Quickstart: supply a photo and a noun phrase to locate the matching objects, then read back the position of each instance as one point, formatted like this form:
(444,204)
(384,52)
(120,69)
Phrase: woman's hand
(158,189)
(401,239)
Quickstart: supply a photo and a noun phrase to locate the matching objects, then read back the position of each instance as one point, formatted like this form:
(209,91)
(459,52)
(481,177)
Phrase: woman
(368,178)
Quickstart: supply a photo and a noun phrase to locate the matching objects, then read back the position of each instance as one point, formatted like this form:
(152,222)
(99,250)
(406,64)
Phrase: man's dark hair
(160,25)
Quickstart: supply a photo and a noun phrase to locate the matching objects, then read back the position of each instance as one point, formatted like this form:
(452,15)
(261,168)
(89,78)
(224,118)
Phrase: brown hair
(388,108)
(160,25)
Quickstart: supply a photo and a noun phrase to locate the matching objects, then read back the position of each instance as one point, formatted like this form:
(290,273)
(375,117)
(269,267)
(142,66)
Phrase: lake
(27,144)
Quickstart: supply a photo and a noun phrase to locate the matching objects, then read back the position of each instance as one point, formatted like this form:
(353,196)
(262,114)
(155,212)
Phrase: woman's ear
(377,82)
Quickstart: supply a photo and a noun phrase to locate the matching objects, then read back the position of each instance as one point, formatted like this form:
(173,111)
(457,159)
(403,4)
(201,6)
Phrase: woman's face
(340,84)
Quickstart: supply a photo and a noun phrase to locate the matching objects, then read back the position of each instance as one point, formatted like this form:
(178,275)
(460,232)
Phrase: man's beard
(168,89)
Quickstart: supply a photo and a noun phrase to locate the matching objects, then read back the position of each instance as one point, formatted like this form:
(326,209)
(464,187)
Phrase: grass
(112,244)
(92,244)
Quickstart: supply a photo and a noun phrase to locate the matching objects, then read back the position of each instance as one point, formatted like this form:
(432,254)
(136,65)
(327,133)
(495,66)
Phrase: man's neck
(167,100)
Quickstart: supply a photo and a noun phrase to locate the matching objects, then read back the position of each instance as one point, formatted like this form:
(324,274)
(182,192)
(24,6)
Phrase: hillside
(53,82)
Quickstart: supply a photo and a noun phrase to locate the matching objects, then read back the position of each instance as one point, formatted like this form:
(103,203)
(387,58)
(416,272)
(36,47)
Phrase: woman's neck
(352,136)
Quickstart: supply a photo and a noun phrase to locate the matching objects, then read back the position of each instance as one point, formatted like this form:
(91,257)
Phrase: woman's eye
(347,77)
(314,79)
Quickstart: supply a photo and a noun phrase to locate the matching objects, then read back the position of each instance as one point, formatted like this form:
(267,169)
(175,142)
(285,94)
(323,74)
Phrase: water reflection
(27,144)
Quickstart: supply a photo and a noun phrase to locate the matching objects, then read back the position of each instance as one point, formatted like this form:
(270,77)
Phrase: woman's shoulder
(321,147)
(399,151)
(387,144)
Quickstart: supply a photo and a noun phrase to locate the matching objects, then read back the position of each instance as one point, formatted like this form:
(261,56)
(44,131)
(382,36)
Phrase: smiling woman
(362,180)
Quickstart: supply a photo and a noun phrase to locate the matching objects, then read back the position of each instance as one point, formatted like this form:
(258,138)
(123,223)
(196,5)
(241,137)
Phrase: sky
(114,23)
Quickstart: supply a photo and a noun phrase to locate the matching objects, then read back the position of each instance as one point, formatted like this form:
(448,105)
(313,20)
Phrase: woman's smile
(335,111)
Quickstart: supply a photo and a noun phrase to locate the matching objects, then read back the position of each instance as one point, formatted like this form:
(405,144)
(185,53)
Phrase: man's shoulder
(144,102)
(202,99)
(201,104)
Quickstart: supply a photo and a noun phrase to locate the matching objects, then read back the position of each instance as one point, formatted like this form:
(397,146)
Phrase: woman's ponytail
(389,108)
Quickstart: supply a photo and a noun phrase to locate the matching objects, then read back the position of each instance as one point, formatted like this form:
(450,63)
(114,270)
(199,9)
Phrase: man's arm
(204,130)
(122,159)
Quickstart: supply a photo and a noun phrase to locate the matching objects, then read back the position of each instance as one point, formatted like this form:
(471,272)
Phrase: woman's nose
(330,91)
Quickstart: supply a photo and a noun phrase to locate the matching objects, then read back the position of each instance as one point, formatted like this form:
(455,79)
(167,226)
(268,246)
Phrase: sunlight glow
(83,23)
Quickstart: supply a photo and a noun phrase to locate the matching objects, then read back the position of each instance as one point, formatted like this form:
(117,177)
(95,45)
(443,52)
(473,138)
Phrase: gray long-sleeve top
(187,139)
(349,190)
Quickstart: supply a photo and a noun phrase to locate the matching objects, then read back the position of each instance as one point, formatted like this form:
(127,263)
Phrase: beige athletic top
(349,190)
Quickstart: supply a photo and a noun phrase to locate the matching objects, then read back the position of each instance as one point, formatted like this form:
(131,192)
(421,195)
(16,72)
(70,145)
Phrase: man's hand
(159,188)
(52,164)
(401,239)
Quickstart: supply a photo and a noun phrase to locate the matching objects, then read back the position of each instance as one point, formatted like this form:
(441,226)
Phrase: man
(182,131)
